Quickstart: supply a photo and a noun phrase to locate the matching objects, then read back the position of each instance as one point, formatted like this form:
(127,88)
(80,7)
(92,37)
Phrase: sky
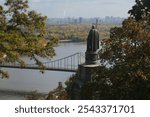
(81,8)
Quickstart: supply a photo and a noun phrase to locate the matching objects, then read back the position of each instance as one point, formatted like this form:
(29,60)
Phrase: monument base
(86,71)
(85,74)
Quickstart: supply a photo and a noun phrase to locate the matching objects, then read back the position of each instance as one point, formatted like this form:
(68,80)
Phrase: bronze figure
(93,40)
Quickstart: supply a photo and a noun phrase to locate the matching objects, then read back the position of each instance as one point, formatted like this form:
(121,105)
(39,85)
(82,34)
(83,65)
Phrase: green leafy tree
(140,9)
(22,33)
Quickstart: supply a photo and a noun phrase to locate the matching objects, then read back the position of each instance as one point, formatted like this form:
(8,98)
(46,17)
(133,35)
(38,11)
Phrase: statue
(92,47)
(93,40)
(85,72)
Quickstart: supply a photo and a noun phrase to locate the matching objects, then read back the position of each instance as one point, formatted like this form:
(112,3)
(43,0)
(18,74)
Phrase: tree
(125,59)
(22,33)
(140,9)
(127,54)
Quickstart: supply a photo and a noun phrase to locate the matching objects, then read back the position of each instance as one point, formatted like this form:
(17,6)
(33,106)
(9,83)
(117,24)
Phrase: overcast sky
(81,8)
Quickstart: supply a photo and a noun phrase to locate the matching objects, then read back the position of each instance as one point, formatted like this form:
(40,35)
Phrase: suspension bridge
(66,64)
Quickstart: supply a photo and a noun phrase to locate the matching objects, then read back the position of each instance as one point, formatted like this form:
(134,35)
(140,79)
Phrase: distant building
(81,20)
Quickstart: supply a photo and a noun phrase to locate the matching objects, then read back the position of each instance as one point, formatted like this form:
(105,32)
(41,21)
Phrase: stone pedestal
(85,74)
(86,71)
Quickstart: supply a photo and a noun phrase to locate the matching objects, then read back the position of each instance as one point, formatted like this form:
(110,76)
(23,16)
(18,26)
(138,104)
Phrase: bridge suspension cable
(68,64)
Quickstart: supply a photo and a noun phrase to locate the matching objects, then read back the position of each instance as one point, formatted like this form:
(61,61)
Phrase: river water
(31,80)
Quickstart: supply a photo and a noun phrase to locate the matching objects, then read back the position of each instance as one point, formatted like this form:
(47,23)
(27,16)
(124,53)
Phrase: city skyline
(81,8)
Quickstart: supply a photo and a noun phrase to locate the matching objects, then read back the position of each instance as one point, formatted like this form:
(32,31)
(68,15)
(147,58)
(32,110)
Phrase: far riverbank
(71,41)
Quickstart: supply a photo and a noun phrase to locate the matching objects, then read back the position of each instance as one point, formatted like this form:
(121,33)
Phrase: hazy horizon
(81,8)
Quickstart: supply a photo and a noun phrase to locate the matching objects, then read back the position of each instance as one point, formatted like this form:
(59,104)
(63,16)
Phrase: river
(31,80)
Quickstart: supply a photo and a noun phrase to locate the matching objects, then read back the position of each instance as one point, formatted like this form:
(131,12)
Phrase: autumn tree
(128,57)
(22,33)
(125,60)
